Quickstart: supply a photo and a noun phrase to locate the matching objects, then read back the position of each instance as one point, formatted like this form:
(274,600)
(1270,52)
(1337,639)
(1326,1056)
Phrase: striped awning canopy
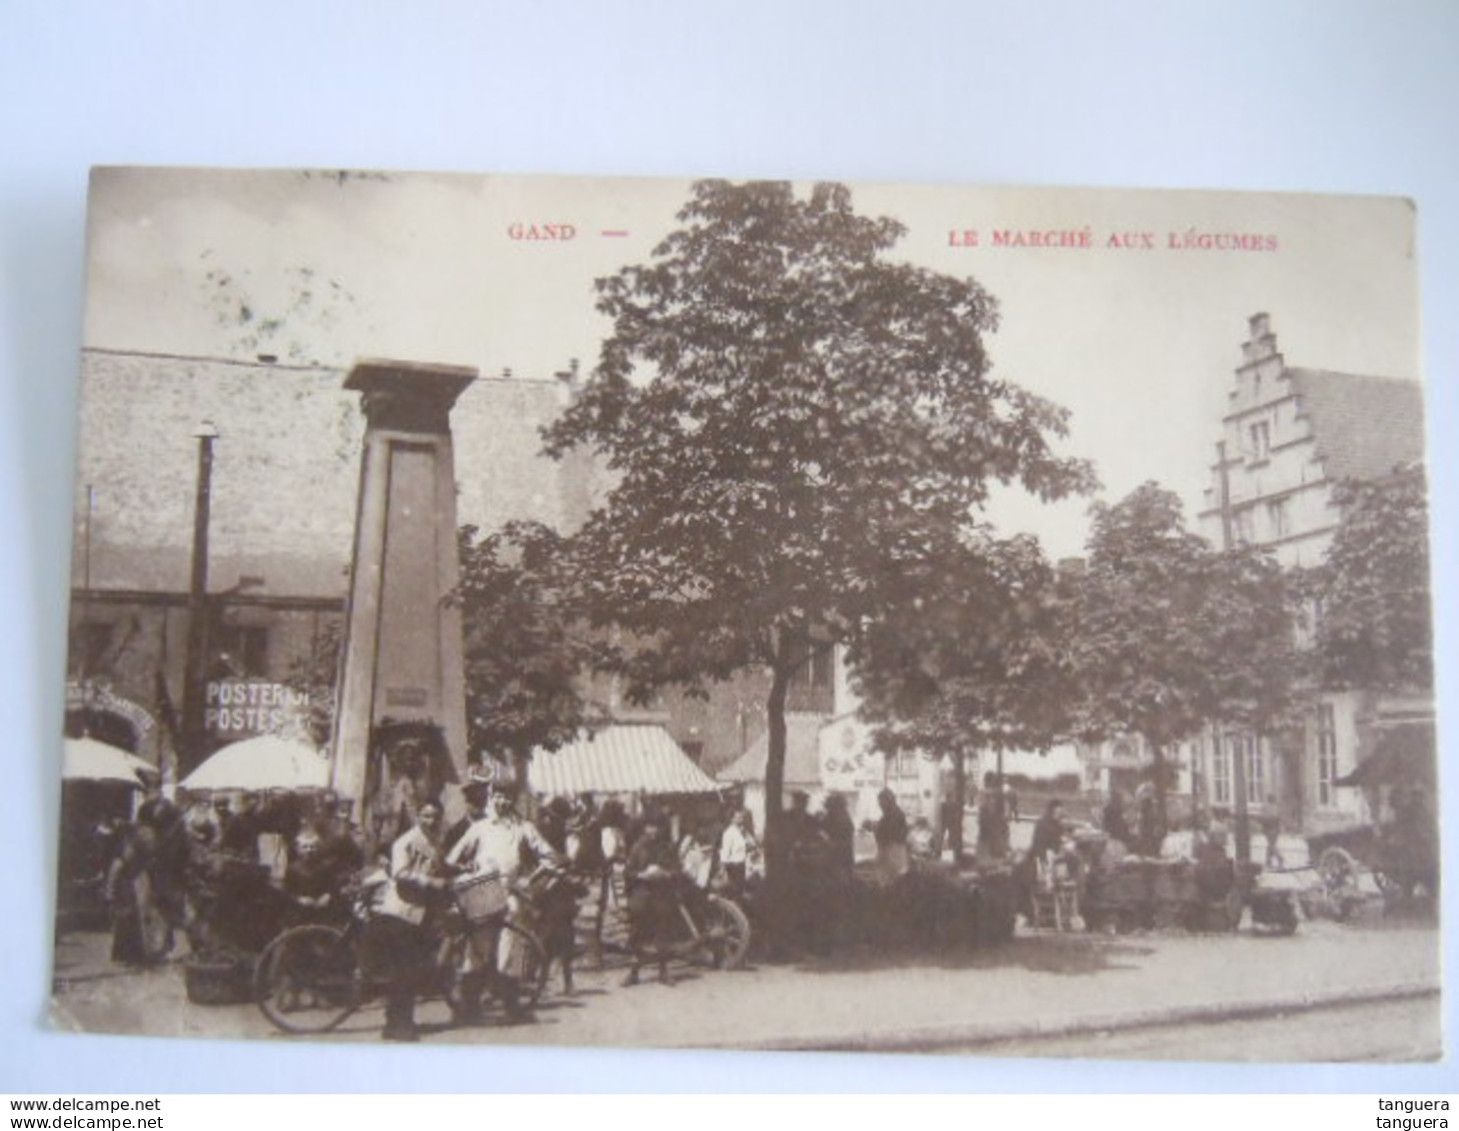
(802,755)
(620,758)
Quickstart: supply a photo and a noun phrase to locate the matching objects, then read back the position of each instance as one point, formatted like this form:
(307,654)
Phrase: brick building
(285,470)
(284,478)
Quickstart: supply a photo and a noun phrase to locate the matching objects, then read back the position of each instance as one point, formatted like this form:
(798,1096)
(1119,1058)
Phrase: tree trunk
(1161,811)
(959,803)
(775,847)
(1242,816)
(521,768)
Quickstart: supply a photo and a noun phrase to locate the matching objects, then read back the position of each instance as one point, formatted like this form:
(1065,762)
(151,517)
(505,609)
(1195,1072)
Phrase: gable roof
(802,754)
(1364,426)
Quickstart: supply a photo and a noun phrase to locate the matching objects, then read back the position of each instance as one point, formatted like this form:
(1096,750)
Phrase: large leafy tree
(795,421)
(977,660)
(1375,625)
(1172,634)
(525,647)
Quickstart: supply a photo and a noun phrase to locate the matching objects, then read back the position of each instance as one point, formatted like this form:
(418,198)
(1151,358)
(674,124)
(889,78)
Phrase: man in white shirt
(735,846)
(500,844)
(396,947)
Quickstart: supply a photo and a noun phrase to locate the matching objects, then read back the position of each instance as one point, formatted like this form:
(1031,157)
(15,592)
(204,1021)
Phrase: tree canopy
(1172,634)
(796,422)
(1375,624)
(978,659)
(525,648)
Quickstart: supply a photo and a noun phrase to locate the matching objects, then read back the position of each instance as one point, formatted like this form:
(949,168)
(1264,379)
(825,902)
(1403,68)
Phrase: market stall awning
(621,758)
(802,755)
(1402,755)
(262,763)
(86,759)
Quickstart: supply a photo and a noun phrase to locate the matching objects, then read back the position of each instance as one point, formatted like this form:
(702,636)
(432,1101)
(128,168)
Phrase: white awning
(622,758)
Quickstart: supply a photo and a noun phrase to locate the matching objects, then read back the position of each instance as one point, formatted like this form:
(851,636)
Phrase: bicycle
(309,978)
(716,931)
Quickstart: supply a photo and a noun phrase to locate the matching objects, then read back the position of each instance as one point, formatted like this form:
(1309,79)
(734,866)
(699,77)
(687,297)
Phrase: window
(243,649)
(621,706)
(812,685)
(1278,517)
(1198,767)
(1255,771)
(1326,753)
(816,671)
(1260,435)
(1242,525)
(1221,772)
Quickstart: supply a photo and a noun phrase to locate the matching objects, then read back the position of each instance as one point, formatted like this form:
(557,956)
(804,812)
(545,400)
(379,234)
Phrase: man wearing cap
(500,843)
(476,794)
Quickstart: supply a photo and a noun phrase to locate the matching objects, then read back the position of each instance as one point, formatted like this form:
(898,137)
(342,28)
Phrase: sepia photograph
(774,615)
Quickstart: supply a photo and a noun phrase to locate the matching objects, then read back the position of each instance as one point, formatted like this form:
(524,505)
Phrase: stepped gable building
(1291,435)
(1289,438)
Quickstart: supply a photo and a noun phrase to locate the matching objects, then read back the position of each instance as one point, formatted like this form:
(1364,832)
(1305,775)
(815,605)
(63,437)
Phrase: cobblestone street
(1038,984)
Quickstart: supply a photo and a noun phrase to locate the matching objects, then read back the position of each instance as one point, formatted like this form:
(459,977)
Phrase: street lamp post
(194,678)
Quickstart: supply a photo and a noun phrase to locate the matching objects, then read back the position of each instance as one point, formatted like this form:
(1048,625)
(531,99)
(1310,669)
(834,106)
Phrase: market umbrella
(265,762)
(86,759)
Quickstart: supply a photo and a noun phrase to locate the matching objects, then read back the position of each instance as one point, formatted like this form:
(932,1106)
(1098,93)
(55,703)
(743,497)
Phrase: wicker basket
(482,898)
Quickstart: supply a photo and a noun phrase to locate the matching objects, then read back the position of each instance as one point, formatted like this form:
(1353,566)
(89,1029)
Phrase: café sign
(847,762)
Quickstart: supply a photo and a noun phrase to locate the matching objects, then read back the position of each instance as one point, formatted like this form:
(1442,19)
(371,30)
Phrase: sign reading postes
(237,708)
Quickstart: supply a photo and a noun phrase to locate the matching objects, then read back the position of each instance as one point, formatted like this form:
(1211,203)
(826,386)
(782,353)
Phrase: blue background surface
(1322,97)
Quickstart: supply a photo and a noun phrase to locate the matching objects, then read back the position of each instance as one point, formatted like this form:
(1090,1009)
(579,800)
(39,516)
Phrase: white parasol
(86,759)
(265,762)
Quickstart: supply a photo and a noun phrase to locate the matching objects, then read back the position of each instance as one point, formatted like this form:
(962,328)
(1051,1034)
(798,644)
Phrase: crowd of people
(223,871)
(230,872)
(571,851)
(227,873)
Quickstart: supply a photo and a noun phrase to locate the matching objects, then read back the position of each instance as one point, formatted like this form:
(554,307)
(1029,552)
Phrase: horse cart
(1391,862)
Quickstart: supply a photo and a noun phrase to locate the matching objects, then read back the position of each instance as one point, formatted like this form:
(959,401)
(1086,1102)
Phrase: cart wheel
(308,979)
(726,932)
(1339,873)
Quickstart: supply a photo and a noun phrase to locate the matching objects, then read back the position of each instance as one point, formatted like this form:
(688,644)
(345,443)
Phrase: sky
(1132,320)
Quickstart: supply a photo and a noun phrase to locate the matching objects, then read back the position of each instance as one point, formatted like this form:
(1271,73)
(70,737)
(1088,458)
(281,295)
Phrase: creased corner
(58,1016)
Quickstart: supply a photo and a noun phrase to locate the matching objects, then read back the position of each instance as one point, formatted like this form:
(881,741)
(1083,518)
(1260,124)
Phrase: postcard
(751,615)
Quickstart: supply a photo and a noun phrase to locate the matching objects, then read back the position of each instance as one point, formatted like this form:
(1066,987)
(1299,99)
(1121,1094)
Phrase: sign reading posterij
(237,708)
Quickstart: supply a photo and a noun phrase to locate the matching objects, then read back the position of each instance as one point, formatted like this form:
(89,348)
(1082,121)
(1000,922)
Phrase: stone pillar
(400,712)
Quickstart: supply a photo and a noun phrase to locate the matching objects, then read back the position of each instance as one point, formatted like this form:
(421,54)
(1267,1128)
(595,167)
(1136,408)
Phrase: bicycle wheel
(523,958)
(726,933)
(307,980)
